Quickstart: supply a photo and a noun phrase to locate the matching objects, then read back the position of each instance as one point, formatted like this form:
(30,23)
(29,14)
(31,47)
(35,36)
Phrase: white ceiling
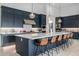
(64,4)
(38,7)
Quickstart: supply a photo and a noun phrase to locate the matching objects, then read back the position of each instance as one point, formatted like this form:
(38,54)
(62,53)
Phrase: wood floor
(73,50)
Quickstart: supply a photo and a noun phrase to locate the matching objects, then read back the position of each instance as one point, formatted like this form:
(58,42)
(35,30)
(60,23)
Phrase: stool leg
(48,51)
(64,43)
(44,49)
(56,49)
(36,50)
(41,50)
(52,49)
(67,44)
(71,41)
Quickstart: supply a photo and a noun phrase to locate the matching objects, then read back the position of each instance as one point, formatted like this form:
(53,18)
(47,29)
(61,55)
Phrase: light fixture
(50,21)
(49,16)
(59,21)
(32,15)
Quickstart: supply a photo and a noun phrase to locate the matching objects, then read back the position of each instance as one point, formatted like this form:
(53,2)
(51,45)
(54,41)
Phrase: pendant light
(49,16)
(60,21)
(32,15)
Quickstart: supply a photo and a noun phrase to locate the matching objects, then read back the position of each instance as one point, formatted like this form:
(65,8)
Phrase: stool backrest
(65,36)
(54,39)
(44,41)
(71,35)
(68,36)
(60,38)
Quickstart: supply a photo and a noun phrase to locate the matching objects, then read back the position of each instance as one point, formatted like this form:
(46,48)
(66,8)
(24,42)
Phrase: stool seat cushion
(42,42)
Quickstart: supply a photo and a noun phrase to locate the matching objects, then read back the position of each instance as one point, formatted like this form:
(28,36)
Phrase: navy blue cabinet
(36,19)
(7,39)
(22,46)
(7,19)
(70,21)
(7,9)
(18,21)
(42,20)
(11,17)
(76,35)
(14,18)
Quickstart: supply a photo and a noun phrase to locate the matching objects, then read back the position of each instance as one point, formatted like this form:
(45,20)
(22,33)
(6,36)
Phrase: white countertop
(11,33)
(40,35)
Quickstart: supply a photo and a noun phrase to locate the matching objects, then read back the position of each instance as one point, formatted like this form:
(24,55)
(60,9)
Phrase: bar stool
(68,42)
(71,37)
(41,46)
(68,36)
(60,40)
(64,41)
(54,44)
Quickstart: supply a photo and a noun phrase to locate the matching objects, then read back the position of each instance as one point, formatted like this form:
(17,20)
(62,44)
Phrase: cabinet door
(77,22)
(7,19)
(22,46)
(19,46)
(18,20)
(37,21)
(7,39)
(43,19)
(70,21)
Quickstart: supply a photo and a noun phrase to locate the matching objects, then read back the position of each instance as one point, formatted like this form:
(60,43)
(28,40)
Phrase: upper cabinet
(18,21)
(42,20)
(70,21)
(7,17)
(14,18)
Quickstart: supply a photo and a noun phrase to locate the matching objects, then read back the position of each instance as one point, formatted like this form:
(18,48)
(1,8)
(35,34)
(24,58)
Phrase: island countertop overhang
(41,35)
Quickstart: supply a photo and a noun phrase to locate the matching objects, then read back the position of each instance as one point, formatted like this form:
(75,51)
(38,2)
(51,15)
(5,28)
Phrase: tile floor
(73,50)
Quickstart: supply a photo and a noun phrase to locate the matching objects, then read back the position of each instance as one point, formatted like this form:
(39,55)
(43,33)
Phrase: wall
(0,16)
(72,9)
(38,8)
(0,25)
(61,9)
(65,9)
(51,12)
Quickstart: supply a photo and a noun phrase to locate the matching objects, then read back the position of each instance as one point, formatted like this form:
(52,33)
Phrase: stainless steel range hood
(31,22)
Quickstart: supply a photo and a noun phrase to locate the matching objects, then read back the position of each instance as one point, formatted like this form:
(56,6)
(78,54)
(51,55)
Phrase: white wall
(66,9)
(51,12)
(38,7)
(61,9)
(0,25)
(0,16)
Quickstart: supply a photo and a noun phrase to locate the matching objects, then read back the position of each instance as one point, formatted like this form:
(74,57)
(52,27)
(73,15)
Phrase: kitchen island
(7,37)
(25,43)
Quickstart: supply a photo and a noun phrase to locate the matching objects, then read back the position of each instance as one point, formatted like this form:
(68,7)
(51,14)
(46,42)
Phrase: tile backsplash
(12,29)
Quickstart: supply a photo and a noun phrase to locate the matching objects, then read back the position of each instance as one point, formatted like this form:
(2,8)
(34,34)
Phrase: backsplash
(71,29)
(12,30)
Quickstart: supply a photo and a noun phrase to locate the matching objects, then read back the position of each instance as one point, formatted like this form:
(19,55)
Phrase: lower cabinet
(25,47)
(21,46)
(7,39)
(76,35)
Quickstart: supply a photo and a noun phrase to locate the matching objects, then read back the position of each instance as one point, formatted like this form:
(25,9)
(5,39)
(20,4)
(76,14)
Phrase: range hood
(30,22)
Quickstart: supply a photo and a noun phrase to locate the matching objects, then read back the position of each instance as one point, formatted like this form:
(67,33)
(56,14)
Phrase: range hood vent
(27,21)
